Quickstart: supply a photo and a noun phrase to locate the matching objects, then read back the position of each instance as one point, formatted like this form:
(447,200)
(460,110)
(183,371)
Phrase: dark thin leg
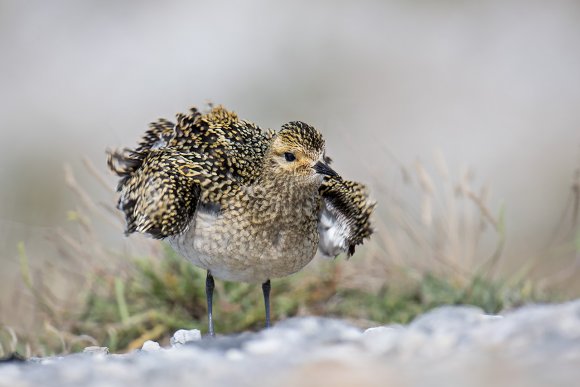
(209,286)
(266,290)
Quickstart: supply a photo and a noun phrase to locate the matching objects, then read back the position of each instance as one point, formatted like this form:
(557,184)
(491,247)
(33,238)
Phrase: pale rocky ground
(451,346)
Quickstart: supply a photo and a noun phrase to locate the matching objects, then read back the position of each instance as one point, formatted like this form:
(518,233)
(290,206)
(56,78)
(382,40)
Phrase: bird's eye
(289,156)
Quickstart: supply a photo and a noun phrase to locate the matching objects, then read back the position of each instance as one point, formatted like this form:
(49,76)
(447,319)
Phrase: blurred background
(478,101)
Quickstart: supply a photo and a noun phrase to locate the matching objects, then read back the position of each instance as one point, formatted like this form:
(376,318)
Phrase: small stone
(183,336)
(150,346)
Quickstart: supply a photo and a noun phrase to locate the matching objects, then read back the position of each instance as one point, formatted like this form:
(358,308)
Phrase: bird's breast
(251,243)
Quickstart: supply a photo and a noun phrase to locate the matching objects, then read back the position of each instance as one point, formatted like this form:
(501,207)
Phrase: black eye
(289,156)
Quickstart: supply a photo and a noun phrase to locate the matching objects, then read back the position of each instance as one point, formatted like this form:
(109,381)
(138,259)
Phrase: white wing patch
(334,230)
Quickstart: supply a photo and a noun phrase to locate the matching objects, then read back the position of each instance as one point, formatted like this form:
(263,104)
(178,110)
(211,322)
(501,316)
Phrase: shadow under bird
(243,203)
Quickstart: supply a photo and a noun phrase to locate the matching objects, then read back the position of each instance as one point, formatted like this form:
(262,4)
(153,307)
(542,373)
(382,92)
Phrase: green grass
(157,297)
(152,298)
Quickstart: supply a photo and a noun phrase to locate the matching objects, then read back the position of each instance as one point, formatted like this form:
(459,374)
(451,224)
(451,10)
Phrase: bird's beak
(324,169)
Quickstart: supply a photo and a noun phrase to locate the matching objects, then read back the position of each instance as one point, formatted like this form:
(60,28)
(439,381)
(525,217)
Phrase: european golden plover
(242,203)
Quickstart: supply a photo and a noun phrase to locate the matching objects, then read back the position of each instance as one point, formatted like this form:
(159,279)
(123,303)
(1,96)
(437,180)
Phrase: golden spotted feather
(201,157)
(345,218)
(205,159)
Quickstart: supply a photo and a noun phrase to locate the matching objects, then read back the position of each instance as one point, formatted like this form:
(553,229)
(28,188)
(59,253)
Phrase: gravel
(537,345)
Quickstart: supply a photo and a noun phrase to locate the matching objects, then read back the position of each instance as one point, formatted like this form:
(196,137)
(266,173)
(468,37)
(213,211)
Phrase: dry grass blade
(97,175)
(427,210)
(13,339)
(72,184)
(485,211)
(425,180)
(51,329)
(83,339)
(85,199)
(567,235)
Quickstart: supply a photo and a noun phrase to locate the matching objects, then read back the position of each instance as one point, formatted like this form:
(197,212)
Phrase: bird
(243,203)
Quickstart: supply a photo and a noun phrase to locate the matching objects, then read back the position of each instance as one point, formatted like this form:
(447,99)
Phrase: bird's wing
(202,158)
(236,146)
(160,196)
(345,216)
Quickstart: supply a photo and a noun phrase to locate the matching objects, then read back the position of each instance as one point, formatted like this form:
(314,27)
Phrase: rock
(183,336)
(537,345)
(150,346)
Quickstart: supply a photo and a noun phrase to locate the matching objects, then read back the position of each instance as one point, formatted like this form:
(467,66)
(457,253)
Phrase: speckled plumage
(345,219)
(219,190)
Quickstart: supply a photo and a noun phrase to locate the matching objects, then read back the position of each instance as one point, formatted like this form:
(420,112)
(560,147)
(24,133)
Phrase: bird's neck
(288,185)
(288,204)
(279,192)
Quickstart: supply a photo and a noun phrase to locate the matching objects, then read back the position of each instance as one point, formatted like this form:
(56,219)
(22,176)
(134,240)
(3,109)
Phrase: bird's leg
(209,286)
(266,290)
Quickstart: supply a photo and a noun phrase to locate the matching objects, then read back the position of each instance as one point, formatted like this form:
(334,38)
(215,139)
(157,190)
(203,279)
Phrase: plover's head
(298,151)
